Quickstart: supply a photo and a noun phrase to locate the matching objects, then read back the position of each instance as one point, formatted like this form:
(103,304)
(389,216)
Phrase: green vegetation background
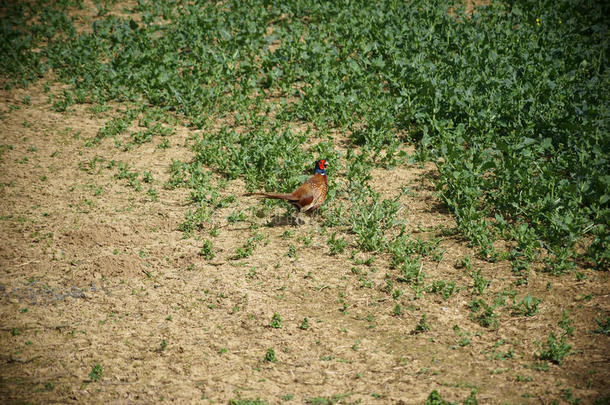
(511,103)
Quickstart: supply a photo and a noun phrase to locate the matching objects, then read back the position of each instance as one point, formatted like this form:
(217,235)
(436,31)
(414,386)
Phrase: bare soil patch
(95,272)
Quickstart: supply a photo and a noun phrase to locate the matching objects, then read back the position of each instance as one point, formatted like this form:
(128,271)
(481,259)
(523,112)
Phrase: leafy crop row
(511,102)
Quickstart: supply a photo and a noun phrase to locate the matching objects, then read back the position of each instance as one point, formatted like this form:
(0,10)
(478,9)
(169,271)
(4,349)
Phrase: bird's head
(321,167)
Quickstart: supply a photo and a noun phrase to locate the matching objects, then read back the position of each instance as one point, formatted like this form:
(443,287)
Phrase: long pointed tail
(277,196)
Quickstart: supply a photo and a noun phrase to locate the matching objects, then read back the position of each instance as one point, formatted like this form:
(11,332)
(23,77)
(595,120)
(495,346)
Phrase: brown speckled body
(310,195)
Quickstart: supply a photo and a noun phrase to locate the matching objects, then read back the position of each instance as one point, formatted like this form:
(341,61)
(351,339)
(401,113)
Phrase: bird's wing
(304,193)
(306,200)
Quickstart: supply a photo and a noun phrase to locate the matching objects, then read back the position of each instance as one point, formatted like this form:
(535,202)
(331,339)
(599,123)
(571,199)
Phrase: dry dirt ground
(104,300)
(96,273)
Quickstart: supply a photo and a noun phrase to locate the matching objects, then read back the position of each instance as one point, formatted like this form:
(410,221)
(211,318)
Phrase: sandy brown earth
(95,272)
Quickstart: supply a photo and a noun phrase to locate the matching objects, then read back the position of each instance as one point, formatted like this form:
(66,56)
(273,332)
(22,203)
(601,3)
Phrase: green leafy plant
(479,283)
(422,326)
(270,356)
(96,372)
(566,323)
(556,349)
(472,398)
(483,314)
(247,402)
(435,399)
(247,249)
(528,306)
(411,272)
(603,326)
(207,250)
(541,366)
(331,400)
(444,288)
(336,245)
(276,321)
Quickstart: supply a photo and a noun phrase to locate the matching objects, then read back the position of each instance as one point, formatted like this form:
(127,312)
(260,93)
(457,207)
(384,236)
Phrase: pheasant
(310,195)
